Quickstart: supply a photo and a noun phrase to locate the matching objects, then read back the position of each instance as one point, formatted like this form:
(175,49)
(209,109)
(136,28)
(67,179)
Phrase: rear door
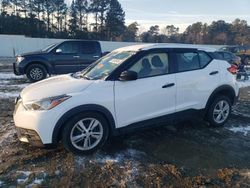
(66,57)
(197,76)
(90,51)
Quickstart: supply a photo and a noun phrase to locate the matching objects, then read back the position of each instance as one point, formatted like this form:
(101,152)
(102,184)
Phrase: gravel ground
(189,154)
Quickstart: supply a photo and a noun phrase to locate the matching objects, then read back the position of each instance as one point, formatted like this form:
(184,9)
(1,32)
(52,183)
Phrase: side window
(69,48)
(227,55)
(88,48)
(154,64)
(187,61)
(204,59)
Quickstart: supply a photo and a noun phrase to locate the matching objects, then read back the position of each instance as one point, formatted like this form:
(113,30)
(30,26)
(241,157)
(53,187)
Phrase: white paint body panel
(195,87)
(144,99)
(43,122)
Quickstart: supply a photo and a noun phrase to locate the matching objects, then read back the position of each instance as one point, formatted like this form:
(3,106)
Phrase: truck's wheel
(219,111)
(36,72)
(85,133)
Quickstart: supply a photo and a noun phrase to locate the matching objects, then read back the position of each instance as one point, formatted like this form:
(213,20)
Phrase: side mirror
(58,51)
(128,76)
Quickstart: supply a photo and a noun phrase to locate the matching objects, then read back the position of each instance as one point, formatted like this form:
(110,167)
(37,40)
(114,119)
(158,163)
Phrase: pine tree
(60,9)
(115,20)
(49,8)
(82,11)
(73,26)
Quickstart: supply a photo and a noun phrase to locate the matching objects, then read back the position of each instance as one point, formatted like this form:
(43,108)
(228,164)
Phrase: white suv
(130,88)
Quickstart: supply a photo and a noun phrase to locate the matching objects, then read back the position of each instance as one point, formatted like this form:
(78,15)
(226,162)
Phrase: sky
(183,13)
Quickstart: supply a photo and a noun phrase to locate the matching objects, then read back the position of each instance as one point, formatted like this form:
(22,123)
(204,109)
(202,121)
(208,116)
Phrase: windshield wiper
(86,77)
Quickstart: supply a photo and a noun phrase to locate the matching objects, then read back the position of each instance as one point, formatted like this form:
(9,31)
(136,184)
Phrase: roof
(165,45)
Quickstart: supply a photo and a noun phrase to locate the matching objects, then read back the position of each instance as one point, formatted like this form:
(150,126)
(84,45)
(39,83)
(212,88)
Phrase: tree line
(105,20)
(218,33)
(86,19)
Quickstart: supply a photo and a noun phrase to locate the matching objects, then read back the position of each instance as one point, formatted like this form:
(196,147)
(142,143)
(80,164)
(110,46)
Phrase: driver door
(151,96)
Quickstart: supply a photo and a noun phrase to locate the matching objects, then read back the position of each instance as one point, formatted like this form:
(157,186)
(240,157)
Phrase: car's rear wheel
(219,111)
(85,133)
(36,72)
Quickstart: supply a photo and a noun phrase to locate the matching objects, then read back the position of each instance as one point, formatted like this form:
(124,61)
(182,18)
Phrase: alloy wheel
(36,73)
(221,111)
(86,134)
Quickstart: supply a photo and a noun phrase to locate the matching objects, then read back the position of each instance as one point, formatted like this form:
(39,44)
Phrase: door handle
(168,85)
(76,56)
(96,56)
(214,73)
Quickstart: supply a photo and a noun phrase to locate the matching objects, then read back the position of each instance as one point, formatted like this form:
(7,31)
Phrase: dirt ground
(188,154)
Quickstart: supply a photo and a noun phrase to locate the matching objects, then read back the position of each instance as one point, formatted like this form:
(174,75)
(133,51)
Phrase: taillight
(233,69)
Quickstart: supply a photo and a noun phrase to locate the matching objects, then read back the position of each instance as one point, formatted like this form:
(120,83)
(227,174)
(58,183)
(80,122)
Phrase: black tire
(71,128)
(210,116)
(36,72)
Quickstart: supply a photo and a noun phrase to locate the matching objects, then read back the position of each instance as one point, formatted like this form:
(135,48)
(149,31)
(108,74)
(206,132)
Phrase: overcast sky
(182,13)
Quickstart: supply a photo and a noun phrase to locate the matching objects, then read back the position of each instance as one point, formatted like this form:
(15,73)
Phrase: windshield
(48,48)
(105,66)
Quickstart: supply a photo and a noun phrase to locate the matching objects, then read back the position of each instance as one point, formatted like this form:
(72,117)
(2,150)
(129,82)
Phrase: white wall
(11,45)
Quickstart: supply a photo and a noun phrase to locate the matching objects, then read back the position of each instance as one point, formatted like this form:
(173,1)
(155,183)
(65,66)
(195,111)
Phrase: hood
(54,86)
(33,53)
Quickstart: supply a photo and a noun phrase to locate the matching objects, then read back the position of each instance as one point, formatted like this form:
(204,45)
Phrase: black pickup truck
(61,58)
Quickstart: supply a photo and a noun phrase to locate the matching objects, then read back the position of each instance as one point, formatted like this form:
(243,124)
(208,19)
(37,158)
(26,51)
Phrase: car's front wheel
(219,111)
(36,72)
(85,133)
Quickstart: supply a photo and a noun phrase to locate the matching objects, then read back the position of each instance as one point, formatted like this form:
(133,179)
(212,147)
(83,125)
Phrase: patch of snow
(129,154)
(109,159)
(25,176)
(21,86)
(9,95)
(241,129)
(26,173)
(4,82)
(38,181)
(8,76)
(22,180)
(243,84)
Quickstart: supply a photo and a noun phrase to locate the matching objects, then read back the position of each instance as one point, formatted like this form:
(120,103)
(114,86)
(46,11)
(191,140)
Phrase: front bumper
(18,68)
(15,69)
(29,136)
(34,127)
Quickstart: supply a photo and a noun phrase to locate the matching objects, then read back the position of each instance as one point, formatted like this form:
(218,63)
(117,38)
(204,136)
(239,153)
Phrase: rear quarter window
(89,48)
(205,59)
(187,61)
(192,61)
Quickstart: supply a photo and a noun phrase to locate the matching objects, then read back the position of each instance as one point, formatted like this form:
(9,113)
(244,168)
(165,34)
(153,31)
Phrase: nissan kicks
(130,88)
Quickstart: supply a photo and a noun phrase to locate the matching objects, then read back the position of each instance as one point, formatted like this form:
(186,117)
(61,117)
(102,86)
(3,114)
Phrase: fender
(42,61)
(81,109)
(224,89)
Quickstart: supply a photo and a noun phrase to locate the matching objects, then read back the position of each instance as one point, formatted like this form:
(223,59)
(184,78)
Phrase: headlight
(19,59)
(45,104)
